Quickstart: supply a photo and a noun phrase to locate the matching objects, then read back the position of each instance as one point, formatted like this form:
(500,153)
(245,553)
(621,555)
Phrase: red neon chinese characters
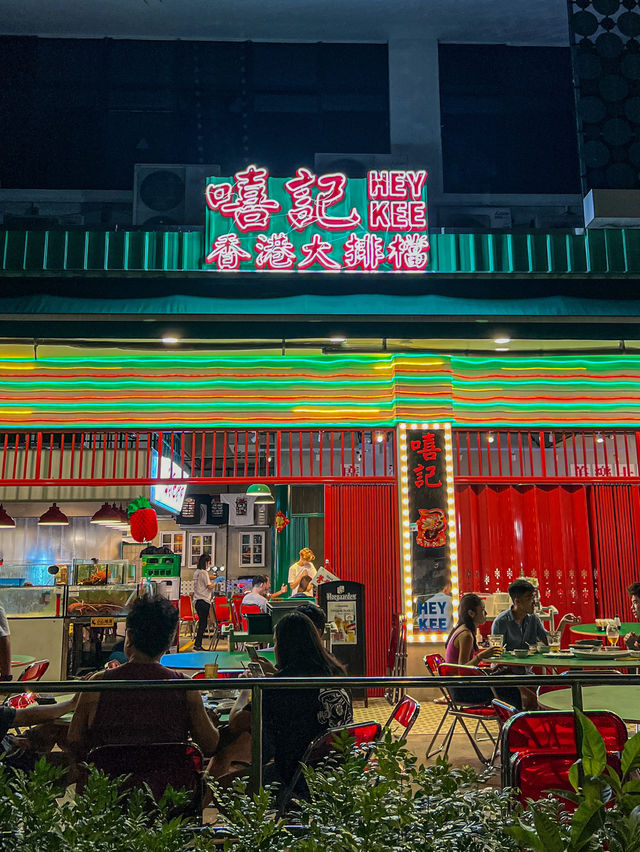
(395,201)
(252,208)
(424,474)
(275,252)
(317,251)
(226,252)
(409,252)
(307,209)
(366,252)
(426,447)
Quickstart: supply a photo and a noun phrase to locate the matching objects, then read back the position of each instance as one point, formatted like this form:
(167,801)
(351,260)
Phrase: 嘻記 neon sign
(317,222)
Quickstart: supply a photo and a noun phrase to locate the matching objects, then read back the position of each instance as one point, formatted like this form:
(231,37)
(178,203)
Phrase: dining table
(21,660)
(592,631)
(622,700)
(566,660)
(226,660)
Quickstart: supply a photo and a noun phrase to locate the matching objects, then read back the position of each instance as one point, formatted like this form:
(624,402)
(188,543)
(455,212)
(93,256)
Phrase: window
(175,541)
(200,543)
(252,550)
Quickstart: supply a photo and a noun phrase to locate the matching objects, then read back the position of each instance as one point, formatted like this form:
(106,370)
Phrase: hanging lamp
(106,516)
(53,517)
(6,521)
(261,493)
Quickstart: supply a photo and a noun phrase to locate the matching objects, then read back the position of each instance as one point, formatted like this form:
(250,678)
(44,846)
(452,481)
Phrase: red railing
(202,456)
(516,456)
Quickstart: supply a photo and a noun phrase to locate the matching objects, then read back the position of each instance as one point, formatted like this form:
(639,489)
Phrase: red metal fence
(553,456)
(202,456)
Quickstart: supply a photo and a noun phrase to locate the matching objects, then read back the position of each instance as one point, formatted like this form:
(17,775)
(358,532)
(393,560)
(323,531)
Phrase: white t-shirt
(201,580)
(254,599)
(4,624)
(295,569)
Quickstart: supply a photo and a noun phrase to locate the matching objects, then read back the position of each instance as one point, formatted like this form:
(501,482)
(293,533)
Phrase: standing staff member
(202,588)
(302,568)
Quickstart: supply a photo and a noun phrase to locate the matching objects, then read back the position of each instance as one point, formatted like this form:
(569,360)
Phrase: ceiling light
(170,339)
(501,340)
(338,339)
(502,348)
(599,438)
(262,494)
(6,521)
(53,517)
(106,516)
(490,437)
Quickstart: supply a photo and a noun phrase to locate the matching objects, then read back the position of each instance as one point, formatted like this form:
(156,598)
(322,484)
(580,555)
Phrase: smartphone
(253,653)
(255,670)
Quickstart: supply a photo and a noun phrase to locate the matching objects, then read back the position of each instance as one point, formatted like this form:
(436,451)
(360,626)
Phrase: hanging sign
(317,223)
(429,546)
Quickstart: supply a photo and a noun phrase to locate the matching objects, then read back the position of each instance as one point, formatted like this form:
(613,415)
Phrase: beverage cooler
(164,570)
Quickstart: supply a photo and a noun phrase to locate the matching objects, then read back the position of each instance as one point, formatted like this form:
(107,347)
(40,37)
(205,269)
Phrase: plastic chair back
(186,608)
(432,662)
(19,702)
(34,671)
(536,773)
(248,609)
(404,713)
(555,730)
(159,765)
(503,710)
(320,748)
(222,611)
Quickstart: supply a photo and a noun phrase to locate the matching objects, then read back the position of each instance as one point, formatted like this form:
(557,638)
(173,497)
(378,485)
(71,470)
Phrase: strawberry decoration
(143,520)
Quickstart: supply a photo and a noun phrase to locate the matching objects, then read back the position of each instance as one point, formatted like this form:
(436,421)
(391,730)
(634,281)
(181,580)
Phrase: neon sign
(317,222)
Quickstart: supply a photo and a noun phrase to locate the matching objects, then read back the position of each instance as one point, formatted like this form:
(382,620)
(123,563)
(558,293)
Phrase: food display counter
(36,616)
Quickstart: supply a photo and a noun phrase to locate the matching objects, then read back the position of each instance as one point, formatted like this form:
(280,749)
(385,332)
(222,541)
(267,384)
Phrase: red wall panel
(361,523)
(539,530)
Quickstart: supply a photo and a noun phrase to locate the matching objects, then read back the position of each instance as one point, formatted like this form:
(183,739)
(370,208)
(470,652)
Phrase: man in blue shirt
(519,624)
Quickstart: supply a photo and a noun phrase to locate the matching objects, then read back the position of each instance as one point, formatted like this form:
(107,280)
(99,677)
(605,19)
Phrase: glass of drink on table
(496,640)
(613,633)
(554,641)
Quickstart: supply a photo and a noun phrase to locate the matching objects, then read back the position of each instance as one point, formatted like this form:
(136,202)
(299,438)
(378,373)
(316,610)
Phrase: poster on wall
(430,528)
(342,612)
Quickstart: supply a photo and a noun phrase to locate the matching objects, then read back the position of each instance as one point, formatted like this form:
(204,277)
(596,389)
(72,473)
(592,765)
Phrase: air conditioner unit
(356,165)
(170,194)
(475,218)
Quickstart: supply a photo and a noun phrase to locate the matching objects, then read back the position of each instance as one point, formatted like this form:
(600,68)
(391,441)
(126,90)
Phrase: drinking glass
(496,640)
(613,633)
(554,642)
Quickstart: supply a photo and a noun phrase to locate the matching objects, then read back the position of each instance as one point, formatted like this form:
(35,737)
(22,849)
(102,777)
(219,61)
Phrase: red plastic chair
(320,748)
(185,611)
(460,711)
(222,611)
(554,732)
(504,712)
(236,603)
(248,609)
(404,713)
(34,671)
(536,773)
(19,702)
(432,662)
(158,765)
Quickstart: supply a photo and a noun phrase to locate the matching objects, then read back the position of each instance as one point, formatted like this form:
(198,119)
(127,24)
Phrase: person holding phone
(202,588)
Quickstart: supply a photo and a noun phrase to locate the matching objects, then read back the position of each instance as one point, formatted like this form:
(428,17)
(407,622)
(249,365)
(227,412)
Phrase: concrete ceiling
(536,22)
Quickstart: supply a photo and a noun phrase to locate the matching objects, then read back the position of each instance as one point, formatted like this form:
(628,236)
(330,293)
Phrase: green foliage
(35,815)
(378,803)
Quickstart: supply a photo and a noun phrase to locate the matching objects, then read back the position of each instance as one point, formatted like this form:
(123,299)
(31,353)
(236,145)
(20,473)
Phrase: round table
(588,631)
(566,662)
(624,701)
(198,659)
(21,660)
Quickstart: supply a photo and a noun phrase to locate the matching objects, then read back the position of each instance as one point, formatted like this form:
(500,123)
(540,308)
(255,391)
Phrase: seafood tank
(33,601)
(113,572)
(105,600)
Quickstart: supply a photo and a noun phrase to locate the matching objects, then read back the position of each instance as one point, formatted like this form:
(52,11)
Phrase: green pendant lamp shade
(261,493)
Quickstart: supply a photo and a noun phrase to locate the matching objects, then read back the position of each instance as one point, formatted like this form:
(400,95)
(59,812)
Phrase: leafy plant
(34,816)
(596,785)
